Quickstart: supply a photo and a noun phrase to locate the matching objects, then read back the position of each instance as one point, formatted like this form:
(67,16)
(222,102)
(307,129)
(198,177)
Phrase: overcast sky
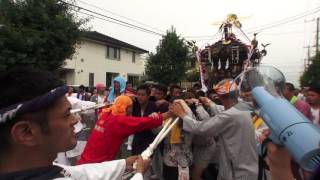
(195,18)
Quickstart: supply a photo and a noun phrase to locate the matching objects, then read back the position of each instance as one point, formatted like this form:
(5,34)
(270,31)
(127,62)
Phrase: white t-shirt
(100,100)
(110,170)
(301,97)
(315,116)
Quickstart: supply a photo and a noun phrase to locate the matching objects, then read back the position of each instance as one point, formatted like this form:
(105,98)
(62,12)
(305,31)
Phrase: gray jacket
(238,158)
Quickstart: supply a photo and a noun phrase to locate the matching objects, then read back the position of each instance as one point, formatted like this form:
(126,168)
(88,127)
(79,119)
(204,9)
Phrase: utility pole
(309,57)
(307,61)
(317,36)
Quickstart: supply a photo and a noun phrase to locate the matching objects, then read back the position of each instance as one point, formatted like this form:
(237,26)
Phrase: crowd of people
(216,137)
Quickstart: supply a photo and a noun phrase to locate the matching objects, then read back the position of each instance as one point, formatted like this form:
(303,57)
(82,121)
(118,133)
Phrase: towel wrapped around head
(120,106)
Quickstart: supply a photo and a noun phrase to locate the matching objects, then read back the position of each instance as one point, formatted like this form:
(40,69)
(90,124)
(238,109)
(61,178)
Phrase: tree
(312,73)
(168,64)
(193,75)
(37,33)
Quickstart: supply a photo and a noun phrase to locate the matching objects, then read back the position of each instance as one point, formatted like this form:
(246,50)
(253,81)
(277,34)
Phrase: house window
(133,57)
(109,77)
(134,80)
(91,79)
(113,53)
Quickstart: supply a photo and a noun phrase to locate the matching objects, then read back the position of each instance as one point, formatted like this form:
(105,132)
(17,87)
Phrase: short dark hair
(200,94)
(144,87)
(172,99)
(197,85)
(82,87)
(174,87)
(227,96)
(290,87)
(315,87)
(161,88)
(23,84)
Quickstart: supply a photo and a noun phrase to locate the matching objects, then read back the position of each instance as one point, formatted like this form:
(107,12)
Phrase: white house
(99,58)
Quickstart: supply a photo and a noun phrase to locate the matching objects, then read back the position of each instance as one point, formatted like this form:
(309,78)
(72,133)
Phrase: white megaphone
(288,126)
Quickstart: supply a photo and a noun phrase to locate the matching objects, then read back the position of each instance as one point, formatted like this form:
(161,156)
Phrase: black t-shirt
(43,173)
(152,98)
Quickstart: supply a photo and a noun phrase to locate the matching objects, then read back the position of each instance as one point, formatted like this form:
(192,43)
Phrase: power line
(113,22)
(284,21)
(268,34)
(119,22)
(204,36)
(284,33)
(113,13)
(132,26)
(195,37)
(210,37)
(289,19)
(272,24)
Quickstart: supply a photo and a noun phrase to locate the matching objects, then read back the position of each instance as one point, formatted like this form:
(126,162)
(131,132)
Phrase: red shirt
(109,133)
(304,108)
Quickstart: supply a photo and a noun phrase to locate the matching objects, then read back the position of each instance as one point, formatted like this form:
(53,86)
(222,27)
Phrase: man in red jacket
(113,127)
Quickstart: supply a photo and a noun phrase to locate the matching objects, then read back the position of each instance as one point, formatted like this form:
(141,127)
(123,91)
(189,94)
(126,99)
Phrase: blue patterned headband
(33,105)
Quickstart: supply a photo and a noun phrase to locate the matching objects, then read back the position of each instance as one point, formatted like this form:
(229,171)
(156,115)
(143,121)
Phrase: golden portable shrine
(229,56)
